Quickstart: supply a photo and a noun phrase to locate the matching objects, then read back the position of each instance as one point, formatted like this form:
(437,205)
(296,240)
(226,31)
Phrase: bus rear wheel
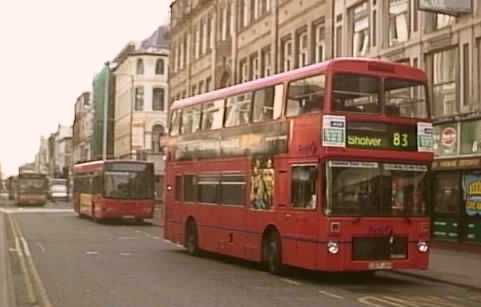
(272,253)
(192,239)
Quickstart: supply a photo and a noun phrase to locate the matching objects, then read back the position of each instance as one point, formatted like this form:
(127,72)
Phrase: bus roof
(375,65)
(98,164)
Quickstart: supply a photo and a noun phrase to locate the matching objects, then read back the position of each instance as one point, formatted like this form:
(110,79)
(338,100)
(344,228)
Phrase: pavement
(455,264)
(6,292)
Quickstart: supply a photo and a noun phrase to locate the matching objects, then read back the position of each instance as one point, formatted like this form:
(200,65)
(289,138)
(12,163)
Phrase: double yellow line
(35,289)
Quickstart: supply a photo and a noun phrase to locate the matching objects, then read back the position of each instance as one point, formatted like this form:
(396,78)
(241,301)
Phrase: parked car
(58,192)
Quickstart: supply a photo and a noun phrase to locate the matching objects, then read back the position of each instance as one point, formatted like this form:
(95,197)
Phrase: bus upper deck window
(356,93)
(305,95)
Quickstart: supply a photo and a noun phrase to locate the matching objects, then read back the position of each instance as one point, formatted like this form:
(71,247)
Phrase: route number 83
(400,139)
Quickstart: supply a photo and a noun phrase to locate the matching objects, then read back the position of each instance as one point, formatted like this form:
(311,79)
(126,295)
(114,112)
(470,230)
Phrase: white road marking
(92,253)
(377,302)
(126,254)
(42,248)
(290,281)
(17,246)
(156,237)
(127,238)
(35,210)
(330,294)
(25,247)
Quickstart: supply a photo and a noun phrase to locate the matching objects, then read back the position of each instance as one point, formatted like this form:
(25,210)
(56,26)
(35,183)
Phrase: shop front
(456,184)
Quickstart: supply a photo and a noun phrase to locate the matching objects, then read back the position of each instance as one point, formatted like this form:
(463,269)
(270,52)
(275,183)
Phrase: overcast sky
(49,53)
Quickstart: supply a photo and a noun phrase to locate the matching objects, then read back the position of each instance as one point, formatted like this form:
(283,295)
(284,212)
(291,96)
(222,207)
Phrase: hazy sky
(49,53)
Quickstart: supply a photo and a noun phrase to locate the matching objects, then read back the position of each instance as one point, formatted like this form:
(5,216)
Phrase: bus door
(304,203)
(286,218)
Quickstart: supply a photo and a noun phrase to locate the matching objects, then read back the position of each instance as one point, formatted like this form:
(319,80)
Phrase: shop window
(471,190)
(444,76)
(190,188)
(398,21)
(238,110)
(447,195)
(303,186)
(360,26)
(306,95)
(445,140)
(471,137)
(207,188)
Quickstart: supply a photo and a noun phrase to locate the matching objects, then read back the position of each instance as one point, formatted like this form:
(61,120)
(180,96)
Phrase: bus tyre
(272,253)
(192,239)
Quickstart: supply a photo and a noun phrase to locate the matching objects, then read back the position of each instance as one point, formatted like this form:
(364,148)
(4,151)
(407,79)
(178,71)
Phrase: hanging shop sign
(449,7)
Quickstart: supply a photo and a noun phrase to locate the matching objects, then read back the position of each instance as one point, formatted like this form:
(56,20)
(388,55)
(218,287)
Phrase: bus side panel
(231,236)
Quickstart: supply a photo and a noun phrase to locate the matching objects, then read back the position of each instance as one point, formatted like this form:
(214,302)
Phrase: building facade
(82,129)
(216,43)
(60,152)
(141,97)
(103,105)
(41,157)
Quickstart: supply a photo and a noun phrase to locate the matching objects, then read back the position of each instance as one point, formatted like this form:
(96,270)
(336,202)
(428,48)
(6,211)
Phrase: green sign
(381,136)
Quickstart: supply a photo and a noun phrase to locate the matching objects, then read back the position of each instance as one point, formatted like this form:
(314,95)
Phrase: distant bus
(324,168)
(30,189)
(114,189)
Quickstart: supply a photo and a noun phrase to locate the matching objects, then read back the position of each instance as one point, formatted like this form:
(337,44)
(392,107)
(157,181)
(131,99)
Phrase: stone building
(216,43)
(82,128)
(141,96)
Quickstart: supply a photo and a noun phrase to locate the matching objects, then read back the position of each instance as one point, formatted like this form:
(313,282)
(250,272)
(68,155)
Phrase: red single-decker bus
(114,189)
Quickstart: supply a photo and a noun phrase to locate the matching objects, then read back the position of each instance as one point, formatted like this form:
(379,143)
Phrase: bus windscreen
(376,189)
(128,185)
(367,94)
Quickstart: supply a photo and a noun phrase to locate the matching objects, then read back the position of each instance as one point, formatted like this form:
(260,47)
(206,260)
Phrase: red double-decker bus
(114,189)
(324,168)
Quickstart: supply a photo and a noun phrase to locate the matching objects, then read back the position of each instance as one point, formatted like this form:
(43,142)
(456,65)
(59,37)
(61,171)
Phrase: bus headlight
(333,247)
(423,247)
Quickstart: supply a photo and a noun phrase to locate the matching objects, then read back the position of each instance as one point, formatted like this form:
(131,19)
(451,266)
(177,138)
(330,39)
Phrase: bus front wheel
(191,239)
(272,253)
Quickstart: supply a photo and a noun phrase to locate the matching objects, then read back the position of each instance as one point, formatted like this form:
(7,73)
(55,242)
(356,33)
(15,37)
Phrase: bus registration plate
(380,265)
